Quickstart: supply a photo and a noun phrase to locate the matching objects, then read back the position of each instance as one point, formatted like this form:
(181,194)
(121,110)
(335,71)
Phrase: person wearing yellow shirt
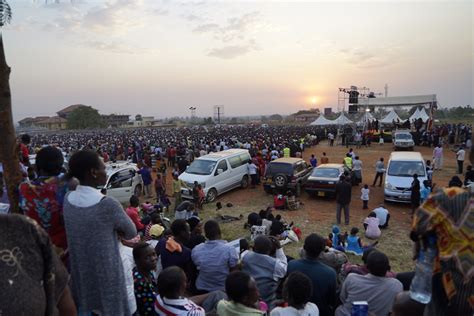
(177,185)
(348,161)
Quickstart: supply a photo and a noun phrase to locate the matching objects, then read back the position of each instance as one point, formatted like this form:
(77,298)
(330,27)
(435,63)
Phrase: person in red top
(42,199)
(132,212)
(24,152)
(279,202)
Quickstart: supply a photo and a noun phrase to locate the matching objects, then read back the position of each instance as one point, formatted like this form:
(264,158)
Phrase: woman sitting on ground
(354,244)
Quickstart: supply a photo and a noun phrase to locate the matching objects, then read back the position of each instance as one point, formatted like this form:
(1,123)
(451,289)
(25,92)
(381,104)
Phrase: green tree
(276,117)
(84,117)
(8,145)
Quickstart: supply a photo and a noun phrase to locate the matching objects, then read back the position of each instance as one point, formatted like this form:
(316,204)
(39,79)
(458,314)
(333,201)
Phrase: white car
(217,173)
(402,139)
(123,180)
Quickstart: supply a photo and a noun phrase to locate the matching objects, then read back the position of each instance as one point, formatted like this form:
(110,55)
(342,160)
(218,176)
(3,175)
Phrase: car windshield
(277,167)
(406,168)
(403,136)
(201,166)
(325,173)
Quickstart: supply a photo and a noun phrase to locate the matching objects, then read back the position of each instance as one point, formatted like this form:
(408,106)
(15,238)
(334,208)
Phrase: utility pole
(386,90)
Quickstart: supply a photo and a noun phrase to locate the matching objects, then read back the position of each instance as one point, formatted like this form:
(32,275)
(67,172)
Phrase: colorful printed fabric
(145,293)
(42,200)
(449,214)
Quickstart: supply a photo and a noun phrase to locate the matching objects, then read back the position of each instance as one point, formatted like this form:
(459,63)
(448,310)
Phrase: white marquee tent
(321,120)
(419,114)
(342,119)
(392,116)
(366,117)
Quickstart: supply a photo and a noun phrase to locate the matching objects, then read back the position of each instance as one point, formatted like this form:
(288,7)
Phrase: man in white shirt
(375,288)
(383,215)
(252,170)
(460,155)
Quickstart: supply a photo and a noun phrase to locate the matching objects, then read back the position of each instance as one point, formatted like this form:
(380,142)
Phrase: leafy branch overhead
(5,13)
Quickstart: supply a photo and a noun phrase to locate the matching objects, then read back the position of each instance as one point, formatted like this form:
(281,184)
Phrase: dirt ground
(319,214)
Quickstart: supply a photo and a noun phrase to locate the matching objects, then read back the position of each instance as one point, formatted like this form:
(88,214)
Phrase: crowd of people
(87,255)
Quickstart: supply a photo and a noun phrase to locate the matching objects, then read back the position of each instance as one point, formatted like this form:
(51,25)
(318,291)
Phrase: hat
(193,222)
(335,229)
(156,230)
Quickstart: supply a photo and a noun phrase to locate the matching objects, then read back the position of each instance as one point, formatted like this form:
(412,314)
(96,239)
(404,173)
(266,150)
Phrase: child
(429,170)
(425,191)
(381,141)
(196,195)
(354,244)
(202,196)
(365,196)
(338,240)
(371,225)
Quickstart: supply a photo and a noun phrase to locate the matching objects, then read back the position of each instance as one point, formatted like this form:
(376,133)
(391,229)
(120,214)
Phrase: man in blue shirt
(215,259)
(147,180)
(322,276)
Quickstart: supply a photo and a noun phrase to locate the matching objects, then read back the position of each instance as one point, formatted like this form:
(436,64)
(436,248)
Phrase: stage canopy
(399,101)
(420,114)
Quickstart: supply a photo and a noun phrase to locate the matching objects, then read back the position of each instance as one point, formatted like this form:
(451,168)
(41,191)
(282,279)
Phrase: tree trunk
(8,146)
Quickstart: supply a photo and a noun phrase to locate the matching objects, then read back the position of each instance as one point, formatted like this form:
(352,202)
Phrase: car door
(222,180)
(120,185)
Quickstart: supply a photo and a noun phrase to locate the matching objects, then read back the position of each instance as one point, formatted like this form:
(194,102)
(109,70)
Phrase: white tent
(419,114)
(321,120)
(423,115)
(415,115)
(366,117)
(342,119)
(392,116)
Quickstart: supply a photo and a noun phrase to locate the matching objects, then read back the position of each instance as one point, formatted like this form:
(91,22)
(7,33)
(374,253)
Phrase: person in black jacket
(415,193)
(343,199)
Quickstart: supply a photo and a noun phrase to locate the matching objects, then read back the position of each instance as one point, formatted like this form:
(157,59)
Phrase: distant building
(31,121)
(115,120)
(327,111)
(143,121)
(54,123)
(66,112)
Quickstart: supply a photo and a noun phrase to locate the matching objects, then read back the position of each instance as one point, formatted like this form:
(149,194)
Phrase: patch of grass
(394,241)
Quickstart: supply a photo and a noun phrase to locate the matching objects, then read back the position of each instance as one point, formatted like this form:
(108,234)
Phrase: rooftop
(406,155)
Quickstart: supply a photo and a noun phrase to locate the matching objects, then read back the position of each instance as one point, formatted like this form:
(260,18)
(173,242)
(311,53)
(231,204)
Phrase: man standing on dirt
(343,199)
(379,170)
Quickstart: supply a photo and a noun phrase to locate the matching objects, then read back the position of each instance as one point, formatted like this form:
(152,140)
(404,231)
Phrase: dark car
(323,179)
(284,174)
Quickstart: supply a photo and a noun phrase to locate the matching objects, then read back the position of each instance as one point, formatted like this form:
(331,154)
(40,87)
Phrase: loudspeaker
(353,97)
(353,109)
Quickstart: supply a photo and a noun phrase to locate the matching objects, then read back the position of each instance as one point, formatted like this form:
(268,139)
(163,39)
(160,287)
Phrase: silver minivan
(401,167)
(217,173)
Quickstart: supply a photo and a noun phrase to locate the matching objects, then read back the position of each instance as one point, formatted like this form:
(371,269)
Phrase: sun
(314,100)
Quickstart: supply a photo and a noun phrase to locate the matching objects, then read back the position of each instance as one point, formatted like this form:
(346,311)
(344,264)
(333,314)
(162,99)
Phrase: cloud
(235,29)
(117,47)
(376,57)
(233,51)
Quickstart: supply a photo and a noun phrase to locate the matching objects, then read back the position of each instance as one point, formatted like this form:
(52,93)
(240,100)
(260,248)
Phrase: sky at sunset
(159,57)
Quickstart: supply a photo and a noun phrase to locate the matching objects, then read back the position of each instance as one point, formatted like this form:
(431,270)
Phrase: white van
(217,173)
(399,176)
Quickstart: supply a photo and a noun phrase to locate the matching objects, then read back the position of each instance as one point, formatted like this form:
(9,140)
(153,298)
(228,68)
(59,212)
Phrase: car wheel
(211,195)
(280,180)
(298,190)
(245,182)
(138,190)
